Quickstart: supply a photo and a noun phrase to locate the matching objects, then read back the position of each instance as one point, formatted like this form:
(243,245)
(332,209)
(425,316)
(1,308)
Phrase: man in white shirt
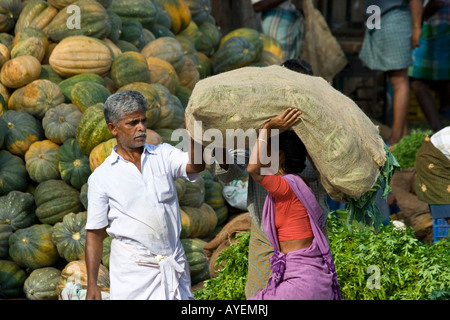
(132,196)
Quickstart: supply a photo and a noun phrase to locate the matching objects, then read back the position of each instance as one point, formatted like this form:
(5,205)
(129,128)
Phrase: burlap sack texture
(343,143)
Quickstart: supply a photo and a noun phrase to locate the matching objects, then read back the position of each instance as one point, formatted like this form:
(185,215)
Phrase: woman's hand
(284,121)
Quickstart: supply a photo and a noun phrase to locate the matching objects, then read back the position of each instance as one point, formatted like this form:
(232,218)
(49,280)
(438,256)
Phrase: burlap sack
(320,48)
(343,143)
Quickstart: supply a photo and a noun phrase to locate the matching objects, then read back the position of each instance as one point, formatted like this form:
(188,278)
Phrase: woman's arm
(283,122)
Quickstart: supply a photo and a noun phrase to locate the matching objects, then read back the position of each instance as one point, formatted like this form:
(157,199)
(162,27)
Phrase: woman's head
(292,152)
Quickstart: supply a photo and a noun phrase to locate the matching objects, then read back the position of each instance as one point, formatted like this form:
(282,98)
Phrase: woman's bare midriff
(292,245)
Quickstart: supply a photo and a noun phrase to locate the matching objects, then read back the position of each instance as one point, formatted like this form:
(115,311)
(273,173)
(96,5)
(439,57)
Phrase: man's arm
(196,162)
(265,5)
(94,252)
(416,14)
(229,164)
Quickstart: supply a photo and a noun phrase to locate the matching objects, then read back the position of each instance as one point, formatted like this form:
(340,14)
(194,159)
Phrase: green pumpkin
(197,260)
(236,52)
(31,46)
(70,236)
(94,22)
(116,25)
(163,18)
(9,13)
(67,84)
(31,32)
(160,31)
(17,208)
(6,231)
(41,161)
(250,34)
(194,195)
(33,247)
(36,97)
(183,94)
(6,39)
(208,178)
(92,129)
(2,125)
(129,67)
(60,123)
(204,65)
(214,196)
(200,10)
(143,11)
(172,111)
(125,46)
(12,278)
(106,251)
(41,284)
(168,49)
(73,164)
(54,199)
(22,129)
(48,73)
(180,186)
(208,39)
(153,100)
(36,14)
(133,32)
(13,174)
(85,94)
(83,195)
(222,214)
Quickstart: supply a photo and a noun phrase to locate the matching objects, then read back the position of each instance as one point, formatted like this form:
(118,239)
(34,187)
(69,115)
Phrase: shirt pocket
(164,187)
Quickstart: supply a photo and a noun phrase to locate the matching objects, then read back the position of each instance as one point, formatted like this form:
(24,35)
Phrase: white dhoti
(137,274)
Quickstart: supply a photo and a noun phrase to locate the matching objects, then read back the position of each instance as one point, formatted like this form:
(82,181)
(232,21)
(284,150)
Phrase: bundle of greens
(231,279)
(405,150)
(405,268)
(363,209)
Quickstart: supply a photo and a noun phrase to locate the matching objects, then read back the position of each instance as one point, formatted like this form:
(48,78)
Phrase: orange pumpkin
(81,54)
(180,13)
(20,71)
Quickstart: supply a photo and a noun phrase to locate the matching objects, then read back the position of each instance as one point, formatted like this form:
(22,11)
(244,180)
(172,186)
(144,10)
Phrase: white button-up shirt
(141,209)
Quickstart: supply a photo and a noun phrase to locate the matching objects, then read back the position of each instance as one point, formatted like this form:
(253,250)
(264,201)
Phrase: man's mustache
(140,134)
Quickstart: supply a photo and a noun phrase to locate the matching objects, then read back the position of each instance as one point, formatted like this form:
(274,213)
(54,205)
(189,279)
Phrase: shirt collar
(114,156)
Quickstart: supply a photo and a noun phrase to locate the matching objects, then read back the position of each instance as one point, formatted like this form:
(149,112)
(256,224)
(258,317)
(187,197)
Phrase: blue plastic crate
(440,229)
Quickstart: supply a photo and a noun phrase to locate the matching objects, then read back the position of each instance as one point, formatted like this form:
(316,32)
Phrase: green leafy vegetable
(231,279)
(408,269)
(405,150)
(364,209)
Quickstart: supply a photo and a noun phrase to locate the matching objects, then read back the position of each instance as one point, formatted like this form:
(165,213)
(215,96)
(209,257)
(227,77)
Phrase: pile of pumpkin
(60,60)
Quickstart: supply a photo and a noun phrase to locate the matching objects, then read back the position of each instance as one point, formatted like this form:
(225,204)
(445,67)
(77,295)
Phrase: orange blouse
(291,218)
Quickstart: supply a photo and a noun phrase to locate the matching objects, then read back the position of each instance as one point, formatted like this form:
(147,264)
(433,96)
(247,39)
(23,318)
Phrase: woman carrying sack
(302,265)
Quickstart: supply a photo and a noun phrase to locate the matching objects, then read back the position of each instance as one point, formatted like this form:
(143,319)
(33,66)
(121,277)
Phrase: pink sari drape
(304,274)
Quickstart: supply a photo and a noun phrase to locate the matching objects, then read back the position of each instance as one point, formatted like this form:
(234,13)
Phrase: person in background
(388,49)
(302,265)
(432,62)
(260,248)
(284,21)
(133,198)
(432,180)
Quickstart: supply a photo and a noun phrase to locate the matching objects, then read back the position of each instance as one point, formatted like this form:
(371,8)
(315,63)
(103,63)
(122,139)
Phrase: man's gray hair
(123,103)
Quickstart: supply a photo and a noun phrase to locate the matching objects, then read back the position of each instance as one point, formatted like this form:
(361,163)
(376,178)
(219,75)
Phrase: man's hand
(93,293)
(415,37)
